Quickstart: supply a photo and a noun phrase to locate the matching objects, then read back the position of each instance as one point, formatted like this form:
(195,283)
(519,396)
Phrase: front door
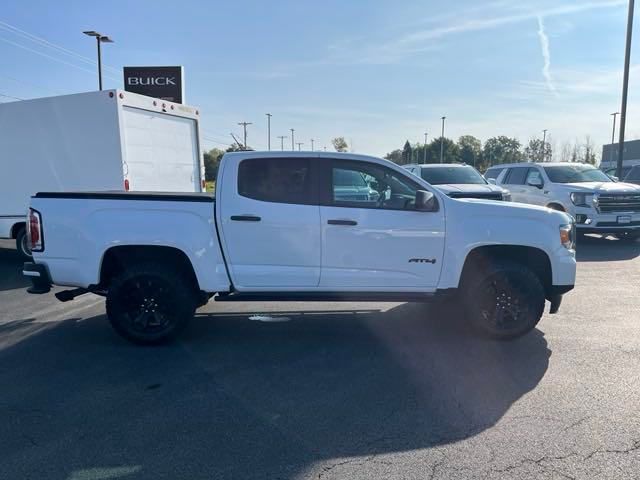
(372,236)
(271,223)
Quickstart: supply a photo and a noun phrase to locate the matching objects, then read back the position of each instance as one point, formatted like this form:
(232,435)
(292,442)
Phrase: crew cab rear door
(270,222)
(375,239)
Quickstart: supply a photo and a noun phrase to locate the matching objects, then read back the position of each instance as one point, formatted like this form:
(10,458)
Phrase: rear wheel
(150,303)
(22,244)
(505,301)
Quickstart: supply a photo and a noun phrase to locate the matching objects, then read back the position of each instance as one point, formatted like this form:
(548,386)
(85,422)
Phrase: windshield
(575,174)
(443,175)
(634,175)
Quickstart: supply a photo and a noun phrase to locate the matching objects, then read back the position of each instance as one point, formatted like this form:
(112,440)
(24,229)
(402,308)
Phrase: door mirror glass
(614,178)
(534,178)
(425,201)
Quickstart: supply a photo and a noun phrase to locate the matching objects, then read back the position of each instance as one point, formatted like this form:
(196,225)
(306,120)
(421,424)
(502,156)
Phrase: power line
(10,96)
(52,58)
(36,85)
(44,42)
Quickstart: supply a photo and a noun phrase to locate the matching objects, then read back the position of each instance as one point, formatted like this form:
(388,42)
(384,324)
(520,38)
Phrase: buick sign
(159,82)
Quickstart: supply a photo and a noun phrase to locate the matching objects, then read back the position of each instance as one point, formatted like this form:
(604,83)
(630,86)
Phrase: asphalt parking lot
(310,390)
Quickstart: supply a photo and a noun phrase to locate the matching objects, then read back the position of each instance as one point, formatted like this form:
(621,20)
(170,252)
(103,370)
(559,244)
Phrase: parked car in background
(106,140)
(492,173)
(633,176)
(598,204)
(458,180)
(280,228)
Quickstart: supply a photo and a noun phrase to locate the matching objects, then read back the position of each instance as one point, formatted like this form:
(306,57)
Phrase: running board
(325,297)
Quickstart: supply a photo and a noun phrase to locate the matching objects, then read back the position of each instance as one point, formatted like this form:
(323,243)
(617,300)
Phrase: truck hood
(602,187)
(468,188)
(478,207)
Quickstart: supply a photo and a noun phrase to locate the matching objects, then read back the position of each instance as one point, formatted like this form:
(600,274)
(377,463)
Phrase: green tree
(470,150)
(340,144)
(395,156)
(406,153)
(211,163)
(537,151)
(450,151)
(501,149)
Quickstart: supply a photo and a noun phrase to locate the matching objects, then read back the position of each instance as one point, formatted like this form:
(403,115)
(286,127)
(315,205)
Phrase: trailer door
(160,151)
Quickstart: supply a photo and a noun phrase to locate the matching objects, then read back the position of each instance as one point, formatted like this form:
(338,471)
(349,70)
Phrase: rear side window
(493,173)
(516,176)
(281,180)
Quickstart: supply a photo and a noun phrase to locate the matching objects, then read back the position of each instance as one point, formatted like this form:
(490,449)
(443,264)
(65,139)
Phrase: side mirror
(491,181)
(614,178)
(425,201)
(374,186)
(535,182)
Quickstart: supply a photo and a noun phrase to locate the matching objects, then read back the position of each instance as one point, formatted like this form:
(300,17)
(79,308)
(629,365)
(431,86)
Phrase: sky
(377,72)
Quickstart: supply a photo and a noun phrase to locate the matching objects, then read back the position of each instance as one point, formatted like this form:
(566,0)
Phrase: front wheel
(150,304)
(505,301)
(22,244)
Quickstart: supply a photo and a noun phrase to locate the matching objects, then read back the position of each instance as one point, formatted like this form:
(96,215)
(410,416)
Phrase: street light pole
(424,157)
(299,145)
(268,130)
(282,137)
(312,144)
(613,135)
(292,142)
(442,142)
(625,89)
(99,39)
(544,143)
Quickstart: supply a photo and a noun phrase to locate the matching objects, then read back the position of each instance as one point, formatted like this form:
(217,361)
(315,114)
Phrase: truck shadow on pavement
(11,270)
(236,398)
(605,249)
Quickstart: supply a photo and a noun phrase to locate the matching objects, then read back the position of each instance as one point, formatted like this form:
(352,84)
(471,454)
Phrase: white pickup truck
(282,227)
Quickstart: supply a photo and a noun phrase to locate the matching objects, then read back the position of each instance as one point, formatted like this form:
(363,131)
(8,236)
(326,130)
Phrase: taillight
(126,184)
(34,227)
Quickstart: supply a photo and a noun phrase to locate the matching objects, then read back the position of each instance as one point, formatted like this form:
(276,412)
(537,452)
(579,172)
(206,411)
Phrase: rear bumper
(39,276)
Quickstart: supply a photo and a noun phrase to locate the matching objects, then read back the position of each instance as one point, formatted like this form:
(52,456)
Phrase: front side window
(282,180)
(452,175)
(576,173)
(534,177)
(516,176)
(370,186)
(633,175)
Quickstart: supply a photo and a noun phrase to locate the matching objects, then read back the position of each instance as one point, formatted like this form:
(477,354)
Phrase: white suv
(598,204)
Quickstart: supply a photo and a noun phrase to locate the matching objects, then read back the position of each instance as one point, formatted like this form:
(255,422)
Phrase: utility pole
(299,145)
(625,88)
(424,157)
(544,144)
(442,142)
(613,135)
(292,137)
(99,40)
(244,126)
(312,144)
(268,130)
(282,137)
(325,148)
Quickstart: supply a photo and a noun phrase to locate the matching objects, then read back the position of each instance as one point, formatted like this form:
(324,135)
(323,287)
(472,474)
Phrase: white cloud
(546,55)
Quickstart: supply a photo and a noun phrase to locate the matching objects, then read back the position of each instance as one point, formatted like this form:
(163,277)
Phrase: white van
(101,141)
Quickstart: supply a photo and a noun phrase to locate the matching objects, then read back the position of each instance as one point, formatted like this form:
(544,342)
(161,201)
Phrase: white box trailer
(96,141)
